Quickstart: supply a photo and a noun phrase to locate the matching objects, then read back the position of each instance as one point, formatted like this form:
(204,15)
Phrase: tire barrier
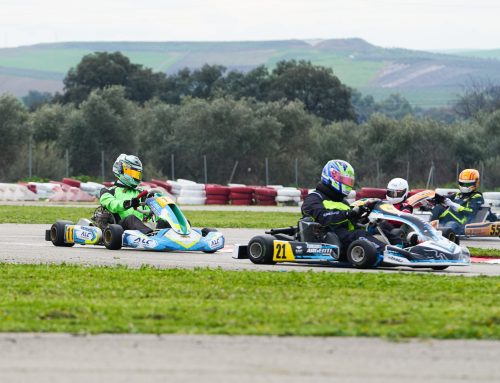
(492,198)
(188,192)
(241,195)
(217,194)
(265,196)
(370,193)
(16,192)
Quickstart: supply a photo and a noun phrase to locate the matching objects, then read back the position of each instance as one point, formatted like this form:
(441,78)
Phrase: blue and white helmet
(339,175)
(128,169)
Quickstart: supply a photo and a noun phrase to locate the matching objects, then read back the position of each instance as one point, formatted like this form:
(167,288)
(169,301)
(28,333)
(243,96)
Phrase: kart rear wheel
(57,233)
(260,249)
(112,237)
(362,254)
(450,234)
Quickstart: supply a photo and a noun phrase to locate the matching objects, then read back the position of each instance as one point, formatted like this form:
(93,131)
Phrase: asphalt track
(25,244)
(188,358)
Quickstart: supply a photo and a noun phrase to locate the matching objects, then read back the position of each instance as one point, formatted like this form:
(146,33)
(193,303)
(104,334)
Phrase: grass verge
(219,219)
(77,299)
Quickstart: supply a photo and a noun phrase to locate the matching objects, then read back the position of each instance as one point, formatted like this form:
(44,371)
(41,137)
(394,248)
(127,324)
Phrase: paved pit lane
(26,244)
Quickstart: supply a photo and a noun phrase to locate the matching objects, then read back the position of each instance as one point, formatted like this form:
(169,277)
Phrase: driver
(456,211)
(327,206)
(121,199)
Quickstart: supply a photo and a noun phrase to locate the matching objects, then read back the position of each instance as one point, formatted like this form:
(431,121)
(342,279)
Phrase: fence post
(66,159)
(408,172)
(430,178)
(267,171)
(173,166)
(232,172)
(205,168)
(378,174)
(296,172)
(30,159)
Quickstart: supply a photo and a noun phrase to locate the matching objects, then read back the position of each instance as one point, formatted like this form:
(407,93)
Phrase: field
(425,78)
(118,300)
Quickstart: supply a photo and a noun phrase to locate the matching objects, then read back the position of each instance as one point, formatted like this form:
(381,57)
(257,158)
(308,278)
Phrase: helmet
(128,169)
(468,180)
(397,190)
(339,175)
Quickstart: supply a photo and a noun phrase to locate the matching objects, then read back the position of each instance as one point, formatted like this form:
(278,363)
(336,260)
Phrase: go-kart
(309,242)
(480,226)
(171,230)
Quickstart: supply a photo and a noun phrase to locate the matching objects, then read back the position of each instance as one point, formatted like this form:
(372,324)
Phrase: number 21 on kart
(282,250)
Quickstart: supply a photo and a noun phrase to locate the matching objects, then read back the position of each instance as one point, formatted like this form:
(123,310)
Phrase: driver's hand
(438,199)
(131,203)
(354,213)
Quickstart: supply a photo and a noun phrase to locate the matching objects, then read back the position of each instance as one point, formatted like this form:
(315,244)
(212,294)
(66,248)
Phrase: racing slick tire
(362,254)
(204,233)
(260,249)
(112,237)
(57,233)
(450,235)
(439,267)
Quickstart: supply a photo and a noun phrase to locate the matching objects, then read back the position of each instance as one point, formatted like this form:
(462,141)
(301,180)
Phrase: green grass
(486,253)
(219,219)
(118,300)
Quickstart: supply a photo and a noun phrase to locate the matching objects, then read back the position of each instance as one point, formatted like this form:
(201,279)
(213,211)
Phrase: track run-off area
(202,358)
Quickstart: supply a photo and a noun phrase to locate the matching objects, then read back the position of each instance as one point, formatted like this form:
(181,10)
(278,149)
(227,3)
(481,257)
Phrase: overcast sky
(415,24)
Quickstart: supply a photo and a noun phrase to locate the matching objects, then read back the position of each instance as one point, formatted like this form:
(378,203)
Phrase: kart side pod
(65,233)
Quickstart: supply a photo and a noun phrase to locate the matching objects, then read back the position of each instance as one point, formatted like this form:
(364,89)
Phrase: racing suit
(328,207)
(113,198)
(462,209)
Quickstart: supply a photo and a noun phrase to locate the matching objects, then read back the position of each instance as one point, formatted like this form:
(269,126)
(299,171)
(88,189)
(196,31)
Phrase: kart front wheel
(439,267)
(58,232)
(450,235)
(260,249)
(362,254)
(112,237)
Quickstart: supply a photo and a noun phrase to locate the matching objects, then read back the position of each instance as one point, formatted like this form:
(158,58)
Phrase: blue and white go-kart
(174,231)
(309,242)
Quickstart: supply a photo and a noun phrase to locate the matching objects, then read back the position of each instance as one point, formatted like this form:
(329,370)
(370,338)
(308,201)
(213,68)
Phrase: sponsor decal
(319,249)
(84,234)
(299,249)
(216,242)
(393,258)
(144,242)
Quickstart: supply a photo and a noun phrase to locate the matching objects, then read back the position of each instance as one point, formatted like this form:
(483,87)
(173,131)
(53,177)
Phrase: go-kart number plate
(495,229)
(283,251)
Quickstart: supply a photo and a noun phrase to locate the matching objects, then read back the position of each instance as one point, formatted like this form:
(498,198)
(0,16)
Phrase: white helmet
(397,190)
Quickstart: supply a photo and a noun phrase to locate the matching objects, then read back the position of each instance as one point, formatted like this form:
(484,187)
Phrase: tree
(316,87)
(35,99)
(101,69)
(14,133)
(106,122)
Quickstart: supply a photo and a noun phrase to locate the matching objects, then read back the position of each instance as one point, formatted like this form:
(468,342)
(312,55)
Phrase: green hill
(425,78)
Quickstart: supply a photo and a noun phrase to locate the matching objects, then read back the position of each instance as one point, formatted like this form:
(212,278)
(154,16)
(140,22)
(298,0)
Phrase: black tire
(450,234)
(57,233)
(260,249)
(112,237)
(362,254)
(439,267)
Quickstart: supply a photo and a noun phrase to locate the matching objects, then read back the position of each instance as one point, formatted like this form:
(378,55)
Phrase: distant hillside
(426,79)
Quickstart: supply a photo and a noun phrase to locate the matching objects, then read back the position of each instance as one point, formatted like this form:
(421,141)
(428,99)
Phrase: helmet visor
(135,174)
(345,179)
(395,193)
(466,184)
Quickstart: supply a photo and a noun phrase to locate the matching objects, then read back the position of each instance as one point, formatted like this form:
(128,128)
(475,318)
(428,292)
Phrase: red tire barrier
(241,202)
(217,190)
(267,203)
(216,201)
(242,189)
(370,193)
(71,182)
(266,192)
(240,195)
(163,184)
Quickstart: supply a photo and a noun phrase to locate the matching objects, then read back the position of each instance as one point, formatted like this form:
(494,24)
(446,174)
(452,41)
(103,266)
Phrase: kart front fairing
(170,240)
(432,249)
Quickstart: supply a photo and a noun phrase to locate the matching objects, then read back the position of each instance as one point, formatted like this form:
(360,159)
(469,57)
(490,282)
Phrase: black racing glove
(131,203)
(354,213)
(438,199)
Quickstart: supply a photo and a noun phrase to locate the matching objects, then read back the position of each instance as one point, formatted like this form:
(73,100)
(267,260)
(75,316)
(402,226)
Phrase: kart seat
(309,231)
(481,215)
